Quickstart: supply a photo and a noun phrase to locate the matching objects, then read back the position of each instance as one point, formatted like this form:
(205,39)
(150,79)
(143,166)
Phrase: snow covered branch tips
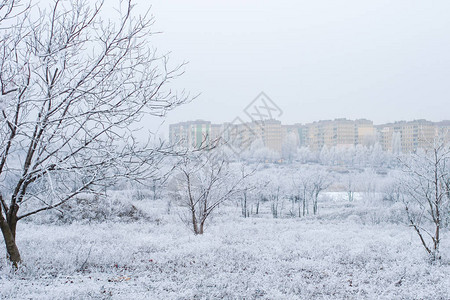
(72,83)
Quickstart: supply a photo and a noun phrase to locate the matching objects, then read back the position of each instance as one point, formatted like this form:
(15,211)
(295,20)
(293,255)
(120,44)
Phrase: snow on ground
(321,257)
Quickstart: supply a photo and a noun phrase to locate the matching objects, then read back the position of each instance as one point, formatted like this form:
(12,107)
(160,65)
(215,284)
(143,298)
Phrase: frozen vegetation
(311,228)
(358,249)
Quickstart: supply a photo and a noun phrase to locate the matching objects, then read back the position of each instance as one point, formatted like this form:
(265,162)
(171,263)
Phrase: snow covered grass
(237,258)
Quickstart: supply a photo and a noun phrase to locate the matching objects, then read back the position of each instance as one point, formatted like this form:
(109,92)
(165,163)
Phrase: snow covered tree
(275,194)
(301,187)
(308,183)
(368,184)
(250,195)
(378,157)
(391,187)
(289,147)
(72,86)
(319,181)
(304,155)
(427,198)
(202,182)
(325,156)
(396,143)
(350,183)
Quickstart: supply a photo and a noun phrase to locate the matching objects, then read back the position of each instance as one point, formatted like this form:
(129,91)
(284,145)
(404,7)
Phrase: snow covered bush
(88,208)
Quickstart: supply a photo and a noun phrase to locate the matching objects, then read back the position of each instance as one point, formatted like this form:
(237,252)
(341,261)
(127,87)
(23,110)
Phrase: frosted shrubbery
(86,208)
(393,214)
(236,258)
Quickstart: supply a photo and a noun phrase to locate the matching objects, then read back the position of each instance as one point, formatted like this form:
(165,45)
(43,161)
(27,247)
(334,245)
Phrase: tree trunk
(244,206)
(436,254)
(275,210)
(293,199)
(304,202)
(304,206)
(316,206)
(201,227)
(194,222)
(9,234)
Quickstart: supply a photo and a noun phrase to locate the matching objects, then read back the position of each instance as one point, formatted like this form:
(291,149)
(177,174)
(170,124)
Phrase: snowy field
(347,252)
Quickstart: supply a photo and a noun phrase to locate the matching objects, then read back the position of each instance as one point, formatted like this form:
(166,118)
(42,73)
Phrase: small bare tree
(248,196)
(350,184)
(72,86)
(259,185)
(319,181)
(309,183)
(427,198)
(203,182)
(301,186)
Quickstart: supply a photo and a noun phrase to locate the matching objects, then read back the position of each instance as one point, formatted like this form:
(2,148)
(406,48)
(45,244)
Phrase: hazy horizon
(333,119)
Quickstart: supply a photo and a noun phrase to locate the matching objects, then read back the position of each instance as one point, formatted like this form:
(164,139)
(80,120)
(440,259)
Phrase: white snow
(331,256)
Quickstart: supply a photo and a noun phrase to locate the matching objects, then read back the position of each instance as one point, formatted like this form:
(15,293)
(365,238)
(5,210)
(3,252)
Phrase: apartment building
(395,137)
(295,130)
(194,134)
(272,134)
(444,129)
(216,131)
(407,136)
(366,132)
(191,134)
(242,135)
(338,132)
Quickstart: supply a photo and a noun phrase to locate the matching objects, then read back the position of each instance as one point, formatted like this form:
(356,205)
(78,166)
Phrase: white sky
(381,60)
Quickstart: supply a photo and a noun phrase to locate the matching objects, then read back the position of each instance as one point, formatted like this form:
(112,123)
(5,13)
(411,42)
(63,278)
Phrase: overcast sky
(380,60)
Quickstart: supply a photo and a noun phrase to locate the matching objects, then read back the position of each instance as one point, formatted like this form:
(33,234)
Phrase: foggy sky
(380,60)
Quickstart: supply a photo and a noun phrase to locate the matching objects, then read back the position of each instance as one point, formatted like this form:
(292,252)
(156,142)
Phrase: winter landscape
(110,190)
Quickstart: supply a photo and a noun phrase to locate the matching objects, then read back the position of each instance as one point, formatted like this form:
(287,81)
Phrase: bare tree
(277,201)
(273,191)
(350,183)
(289,147)
(319,182)
(392,186)
(308,184)
(72,86)
(248,196)
(301,185)
(203,182)
(258,191)
(427,194)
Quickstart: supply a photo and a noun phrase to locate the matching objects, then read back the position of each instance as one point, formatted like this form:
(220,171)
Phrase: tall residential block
(191,134)
(242,135)
(407,136)
(338,132)
(396,137)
